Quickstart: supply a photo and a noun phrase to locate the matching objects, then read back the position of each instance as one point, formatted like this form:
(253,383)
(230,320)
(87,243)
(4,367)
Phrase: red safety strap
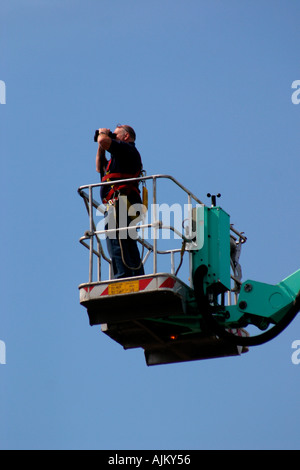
(130,186)
(118,176)
(113,190)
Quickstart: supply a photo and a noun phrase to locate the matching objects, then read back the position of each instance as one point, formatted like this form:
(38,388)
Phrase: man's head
(125,133)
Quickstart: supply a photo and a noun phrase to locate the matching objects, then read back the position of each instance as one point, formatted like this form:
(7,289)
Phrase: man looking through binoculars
(125,162)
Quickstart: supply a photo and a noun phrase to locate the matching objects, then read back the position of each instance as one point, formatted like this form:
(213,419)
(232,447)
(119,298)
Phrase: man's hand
(104,140)
(103,131)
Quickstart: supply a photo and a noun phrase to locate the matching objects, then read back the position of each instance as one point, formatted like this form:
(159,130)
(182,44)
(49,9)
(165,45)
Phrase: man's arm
(101,160)
(104,142)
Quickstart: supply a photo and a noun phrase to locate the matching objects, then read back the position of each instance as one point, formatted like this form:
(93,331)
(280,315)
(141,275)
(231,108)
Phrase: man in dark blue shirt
(125,162)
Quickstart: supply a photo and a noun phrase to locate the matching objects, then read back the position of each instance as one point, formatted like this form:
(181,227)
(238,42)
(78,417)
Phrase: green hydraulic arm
(259,304)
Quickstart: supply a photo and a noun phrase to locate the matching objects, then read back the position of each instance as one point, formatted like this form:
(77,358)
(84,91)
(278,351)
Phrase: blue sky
(207,86)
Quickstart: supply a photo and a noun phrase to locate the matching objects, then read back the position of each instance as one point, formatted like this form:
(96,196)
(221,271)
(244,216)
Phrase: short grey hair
(128,129)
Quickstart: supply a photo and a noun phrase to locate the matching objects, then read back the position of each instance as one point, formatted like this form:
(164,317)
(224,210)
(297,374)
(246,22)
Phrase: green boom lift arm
(259,304)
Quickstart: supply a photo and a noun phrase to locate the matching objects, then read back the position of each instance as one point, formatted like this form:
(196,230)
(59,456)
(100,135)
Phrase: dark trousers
(122,248)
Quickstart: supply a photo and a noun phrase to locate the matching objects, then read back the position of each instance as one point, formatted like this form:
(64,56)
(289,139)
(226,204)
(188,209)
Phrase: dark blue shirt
(126,159)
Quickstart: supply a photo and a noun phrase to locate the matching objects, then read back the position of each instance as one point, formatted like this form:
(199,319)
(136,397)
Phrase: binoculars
(110,134)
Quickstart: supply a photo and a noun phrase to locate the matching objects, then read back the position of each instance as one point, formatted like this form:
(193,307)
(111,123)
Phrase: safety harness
(112,199)
(120,188)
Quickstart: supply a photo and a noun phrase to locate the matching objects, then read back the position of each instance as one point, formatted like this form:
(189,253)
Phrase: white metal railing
(92,237)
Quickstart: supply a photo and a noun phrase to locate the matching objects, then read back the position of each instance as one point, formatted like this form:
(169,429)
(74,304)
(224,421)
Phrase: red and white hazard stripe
(153,283)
